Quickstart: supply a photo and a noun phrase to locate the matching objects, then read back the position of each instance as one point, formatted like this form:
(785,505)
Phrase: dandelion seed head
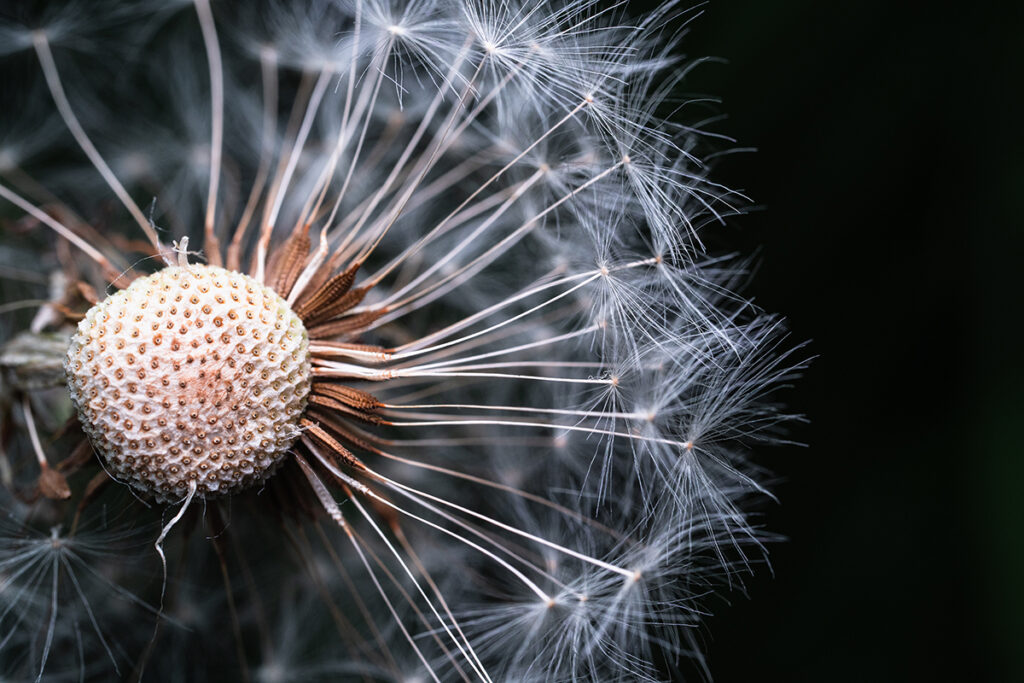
(510,394)
(194,373)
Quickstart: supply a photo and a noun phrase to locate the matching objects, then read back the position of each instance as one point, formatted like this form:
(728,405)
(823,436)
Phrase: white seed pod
(192,373)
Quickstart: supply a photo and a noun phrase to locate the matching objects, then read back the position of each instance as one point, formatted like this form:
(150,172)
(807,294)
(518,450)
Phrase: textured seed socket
(192,373)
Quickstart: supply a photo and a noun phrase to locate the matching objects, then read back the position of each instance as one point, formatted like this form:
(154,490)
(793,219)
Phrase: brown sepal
(285,269)
(350,396)
(348,325)
(308,307)
(53,485)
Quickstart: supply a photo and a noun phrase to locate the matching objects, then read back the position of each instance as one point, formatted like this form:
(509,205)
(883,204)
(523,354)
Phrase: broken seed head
(194,373)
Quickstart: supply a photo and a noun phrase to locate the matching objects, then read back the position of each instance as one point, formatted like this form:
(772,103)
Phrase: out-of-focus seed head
(194,373)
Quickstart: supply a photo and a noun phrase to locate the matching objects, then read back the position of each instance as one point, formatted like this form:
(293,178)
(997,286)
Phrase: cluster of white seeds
(194,373)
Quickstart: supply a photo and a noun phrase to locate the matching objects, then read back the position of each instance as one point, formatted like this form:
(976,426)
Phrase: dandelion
(451,389)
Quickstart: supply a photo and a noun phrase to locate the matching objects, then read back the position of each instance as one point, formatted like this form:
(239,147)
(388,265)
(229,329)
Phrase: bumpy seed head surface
(192,373)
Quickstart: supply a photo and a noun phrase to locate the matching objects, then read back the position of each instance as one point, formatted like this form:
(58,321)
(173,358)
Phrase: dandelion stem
(364,490)
(413,493)
(212,45)
(279,189)
(34,435)
(472,660)
(52,76)
(268,70)
(433,233)
(346,112)
(52,626)
(331,507)
(468,270)
(57,227)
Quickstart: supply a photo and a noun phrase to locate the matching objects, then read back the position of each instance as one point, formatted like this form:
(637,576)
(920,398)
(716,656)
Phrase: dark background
(889,170)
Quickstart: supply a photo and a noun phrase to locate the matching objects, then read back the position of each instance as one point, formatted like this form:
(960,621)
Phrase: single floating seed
(190,396)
